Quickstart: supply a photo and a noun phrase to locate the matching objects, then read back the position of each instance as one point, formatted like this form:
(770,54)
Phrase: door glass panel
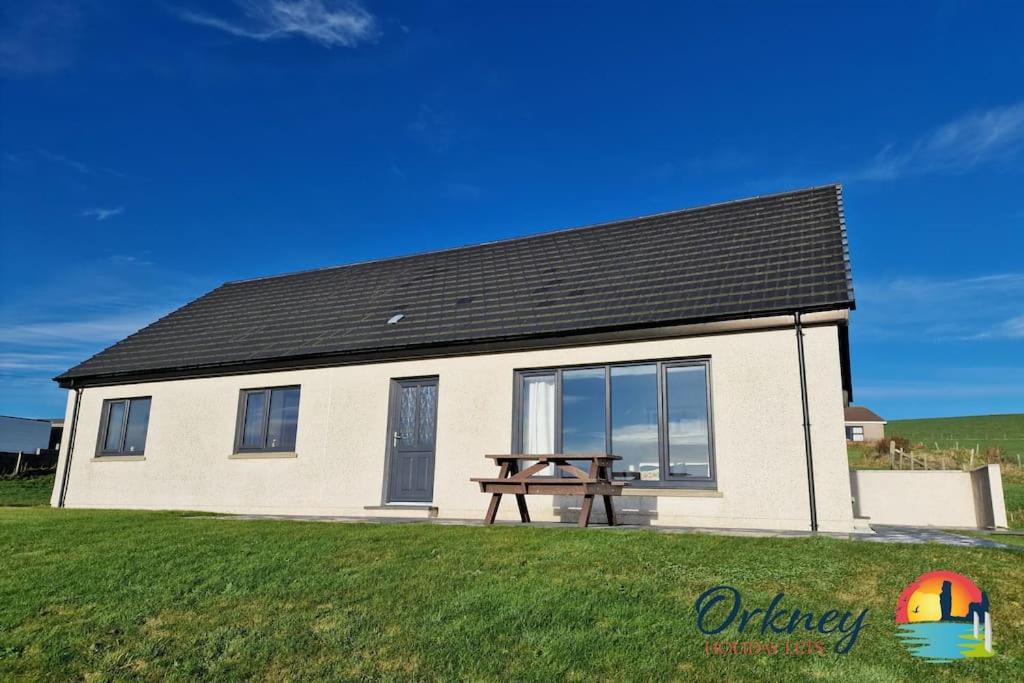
(407,416)
(252,428)
(138,425)
(635,422)
(283,421)
(115,422)
(427,414)
(688,434)
(583,423)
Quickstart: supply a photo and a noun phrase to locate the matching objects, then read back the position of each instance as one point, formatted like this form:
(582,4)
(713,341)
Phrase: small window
(123,427)
(268,420)
(855,433)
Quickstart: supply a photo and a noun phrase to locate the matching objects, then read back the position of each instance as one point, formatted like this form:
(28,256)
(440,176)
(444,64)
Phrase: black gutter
(808,452)
(71,447)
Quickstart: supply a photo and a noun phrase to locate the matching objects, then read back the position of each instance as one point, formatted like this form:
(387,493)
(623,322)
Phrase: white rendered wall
(342,431)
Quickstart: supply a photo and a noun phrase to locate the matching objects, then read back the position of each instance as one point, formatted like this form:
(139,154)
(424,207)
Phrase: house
(708,347)
(863,424)
(23,434)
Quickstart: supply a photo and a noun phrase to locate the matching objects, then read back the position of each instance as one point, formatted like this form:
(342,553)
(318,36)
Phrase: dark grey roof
(777,253)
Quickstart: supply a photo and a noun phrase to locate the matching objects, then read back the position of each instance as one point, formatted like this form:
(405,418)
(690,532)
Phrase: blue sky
(151,150)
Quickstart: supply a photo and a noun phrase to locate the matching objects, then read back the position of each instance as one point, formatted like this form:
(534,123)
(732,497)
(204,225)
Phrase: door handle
(396,437)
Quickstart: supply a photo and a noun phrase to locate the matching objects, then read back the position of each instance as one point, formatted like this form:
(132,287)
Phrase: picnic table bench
(596,481)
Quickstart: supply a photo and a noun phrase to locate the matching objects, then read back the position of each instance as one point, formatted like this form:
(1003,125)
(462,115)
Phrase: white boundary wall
(939,498)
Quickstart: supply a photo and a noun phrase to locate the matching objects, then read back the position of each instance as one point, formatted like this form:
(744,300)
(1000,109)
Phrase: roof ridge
(557,231)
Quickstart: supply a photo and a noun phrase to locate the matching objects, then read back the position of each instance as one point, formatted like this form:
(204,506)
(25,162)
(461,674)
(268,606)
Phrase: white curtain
(539,415)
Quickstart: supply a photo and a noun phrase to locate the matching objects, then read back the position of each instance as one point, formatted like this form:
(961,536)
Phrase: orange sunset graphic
(943,615)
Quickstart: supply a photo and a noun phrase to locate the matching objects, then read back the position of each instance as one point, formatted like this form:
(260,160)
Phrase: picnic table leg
(605,472)
(588,503)
(492,509)
(524,514)
(608,510)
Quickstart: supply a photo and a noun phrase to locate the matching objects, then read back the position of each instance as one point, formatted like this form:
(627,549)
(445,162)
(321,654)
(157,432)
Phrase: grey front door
(411,434)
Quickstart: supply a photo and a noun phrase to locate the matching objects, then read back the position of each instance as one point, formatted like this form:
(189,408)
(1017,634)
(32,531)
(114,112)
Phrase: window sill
(117,458)
(671,493)
(263,456)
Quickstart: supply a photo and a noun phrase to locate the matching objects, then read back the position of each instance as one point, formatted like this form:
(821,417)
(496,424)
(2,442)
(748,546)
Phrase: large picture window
(123,426)
(268,420)
(655,415)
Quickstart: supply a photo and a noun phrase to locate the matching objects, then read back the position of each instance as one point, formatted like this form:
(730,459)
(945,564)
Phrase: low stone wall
(939,498)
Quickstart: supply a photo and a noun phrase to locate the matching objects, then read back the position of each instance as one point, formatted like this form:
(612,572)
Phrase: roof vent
(393,320)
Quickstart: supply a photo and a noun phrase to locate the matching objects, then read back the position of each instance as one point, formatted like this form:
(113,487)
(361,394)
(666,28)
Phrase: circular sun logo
(942,616)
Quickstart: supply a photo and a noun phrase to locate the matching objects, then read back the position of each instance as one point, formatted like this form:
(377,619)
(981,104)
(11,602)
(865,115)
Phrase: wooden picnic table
(597,481)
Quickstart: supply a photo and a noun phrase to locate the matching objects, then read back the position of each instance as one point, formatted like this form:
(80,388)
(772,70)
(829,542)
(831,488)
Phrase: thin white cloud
(38,38)
(325,22)
(91,330)
(457,190)
(1008,329)
(58,323)
(83,168)
(103,214)
(989,307)
(37,361)
(960,145)
(920,390)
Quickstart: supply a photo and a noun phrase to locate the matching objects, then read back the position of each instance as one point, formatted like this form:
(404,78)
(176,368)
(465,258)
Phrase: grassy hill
(1004,431)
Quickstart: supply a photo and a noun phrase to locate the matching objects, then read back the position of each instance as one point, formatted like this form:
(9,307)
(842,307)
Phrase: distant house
(707,347)
(863,424)
(23,434)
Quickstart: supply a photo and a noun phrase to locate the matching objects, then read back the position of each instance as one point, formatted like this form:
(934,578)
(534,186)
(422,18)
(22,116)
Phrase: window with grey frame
(268,420)
(123,426)
(655,415)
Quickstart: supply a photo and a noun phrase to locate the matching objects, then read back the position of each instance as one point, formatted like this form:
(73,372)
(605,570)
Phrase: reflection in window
(655,416)
(583,411)
(635,421)
(125,423)
(270,419)
(688,442)
(138,425)
(284,419)
(255,409)
(115,425)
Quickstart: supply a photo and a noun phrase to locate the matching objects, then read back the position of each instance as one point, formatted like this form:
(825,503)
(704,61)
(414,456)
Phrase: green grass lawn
(1013,493)
(107,595)
(1008,539)
(26,490)
(1004,431)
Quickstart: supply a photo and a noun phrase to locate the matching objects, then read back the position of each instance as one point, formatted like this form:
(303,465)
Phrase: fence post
(892,455)
(17,465)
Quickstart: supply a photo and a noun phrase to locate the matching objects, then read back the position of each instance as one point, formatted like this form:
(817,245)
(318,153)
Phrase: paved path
(882,533)
(910,534)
